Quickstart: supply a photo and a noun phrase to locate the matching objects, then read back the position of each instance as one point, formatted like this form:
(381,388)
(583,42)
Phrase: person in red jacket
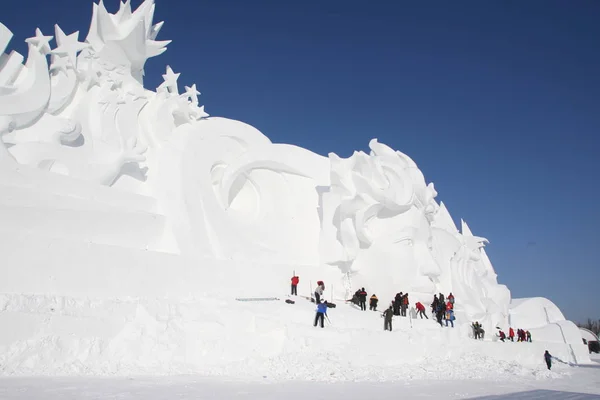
(449,306)
(295,281)
(421,310)
(511,334)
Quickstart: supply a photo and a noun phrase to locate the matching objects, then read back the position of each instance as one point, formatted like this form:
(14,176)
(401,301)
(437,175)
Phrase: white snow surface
(564,382)
(221,337)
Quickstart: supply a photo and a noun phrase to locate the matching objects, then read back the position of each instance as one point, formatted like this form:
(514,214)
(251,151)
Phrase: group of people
(522,335)
(400,304)
(443,308)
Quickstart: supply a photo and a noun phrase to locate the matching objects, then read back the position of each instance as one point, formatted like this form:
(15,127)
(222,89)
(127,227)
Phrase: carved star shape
(170,81)
(60,64)
(40,41)
(198,112)
(91,55)
(192,93)
(90,77)
(68,45)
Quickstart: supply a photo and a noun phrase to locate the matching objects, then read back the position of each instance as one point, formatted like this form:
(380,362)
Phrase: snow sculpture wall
(101,161)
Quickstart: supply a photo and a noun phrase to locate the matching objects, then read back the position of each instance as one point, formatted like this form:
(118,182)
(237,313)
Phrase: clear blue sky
(497,102)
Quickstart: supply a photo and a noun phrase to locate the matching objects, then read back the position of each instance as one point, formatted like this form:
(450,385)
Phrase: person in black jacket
(362,299)
(548,358)
(388,315)
(434,304)
(439,313)
(397,303)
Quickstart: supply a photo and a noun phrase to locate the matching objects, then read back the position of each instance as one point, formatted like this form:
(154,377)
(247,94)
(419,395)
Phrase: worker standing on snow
(404,305)
(548,358)
(434,304)
(373,302)
(397,303)
(511,334)
(319,291)
(321,313)
(388,315)
(362,299)
(295,281)
(439,312)
(450,317)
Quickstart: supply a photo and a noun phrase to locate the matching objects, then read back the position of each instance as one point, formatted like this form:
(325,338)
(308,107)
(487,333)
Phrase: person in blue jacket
(548,358)
(321,313)
(450,317)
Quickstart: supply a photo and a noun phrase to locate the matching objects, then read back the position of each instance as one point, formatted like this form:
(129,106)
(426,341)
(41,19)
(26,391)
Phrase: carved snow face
(401,251)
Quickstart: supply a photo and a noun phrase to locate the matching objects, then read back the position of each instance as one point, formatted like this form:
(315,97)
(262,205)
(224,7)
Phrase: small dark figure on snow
(397,303)
(528,334)
(388,315)
(373,303)
(434,304)
(362,298)
(441,298)
(295,281)
(548,358)
(439,312)
(421,310)
(321,313)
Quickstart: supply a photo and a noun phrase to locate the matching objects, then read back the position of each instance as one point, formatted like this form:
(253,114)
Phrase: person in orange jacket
(295,281)
(511,334)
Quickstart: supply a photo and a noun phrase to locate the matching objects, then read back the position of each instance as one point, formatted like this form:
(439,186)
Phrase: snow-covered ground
(219,348)
(223,338)
(576,383)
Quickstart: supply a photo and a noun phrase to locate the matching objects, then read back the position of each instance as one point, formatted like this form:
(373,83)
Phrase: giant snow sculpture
(98,160)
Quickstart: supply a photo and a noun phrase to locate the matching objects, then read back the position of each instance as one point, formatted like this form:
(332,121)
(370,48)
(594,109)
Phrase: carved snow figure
(376,220)
(82,117)
(137,174)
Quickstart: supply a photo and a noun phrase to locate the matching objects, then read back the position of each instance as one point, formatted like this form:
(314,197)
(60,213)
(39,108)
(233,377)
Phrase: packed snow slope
(215,336)
(131,221)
